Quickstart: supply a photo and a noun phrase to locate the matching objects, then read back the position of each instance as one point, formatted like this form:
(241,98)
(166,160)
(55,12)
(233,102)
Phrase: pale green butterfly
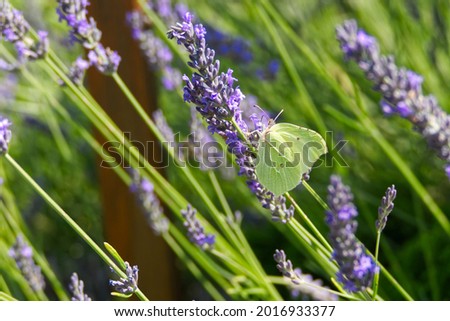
(285,153)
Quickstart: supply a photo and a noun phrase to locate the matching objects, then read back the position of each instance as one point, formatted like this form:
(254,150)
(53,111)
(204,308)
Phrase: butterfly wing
(286,153)
(272,172)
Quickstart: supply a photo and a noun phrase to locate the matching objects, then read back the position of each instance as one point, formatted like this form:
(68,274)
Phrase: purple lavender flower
(8,87)
(386,207)
(303,284)
(126,285)
(401,88)
(356,267)
(74,13)
(84,31)
(78,70)
(158,55)
(236,48)
(206,150)
(22,253)
(218,101)
(163,126)
(5,135)
(76,286)
(196,231)
(150,204)
(14,29)
(105,60)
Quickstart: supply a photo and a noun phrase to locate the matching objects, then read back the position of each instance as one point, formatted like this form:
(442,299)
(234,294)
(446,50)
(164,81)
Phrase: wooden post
(124,225)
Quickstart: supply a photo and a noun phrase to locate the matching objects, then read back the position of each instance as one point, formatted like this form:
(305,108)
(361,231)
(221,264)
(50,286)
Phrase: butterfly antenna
(279,114)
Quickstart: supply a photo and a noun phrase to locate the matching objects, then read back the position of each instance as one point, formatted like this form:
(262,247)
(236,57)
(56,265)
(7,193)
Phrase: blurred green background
(414,247)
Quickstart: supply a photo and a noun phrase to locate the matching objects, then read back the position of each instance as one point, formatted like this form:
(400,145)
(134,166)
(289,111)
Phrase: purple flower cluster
(76,286)
(158,55)
(218,101)
(84,31)
(5,135)
(150,204)
(129,284)
(14,29)
(356,267)
(196,231)
(22,253)
(302,284)
(8,87)
(78,70)
(238,50)
(401,89)
(163,126)
(386,207)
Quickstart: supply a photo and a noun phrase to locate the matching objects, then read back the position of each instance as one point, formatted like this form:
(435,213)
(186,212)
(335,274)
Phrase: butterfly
(285,153)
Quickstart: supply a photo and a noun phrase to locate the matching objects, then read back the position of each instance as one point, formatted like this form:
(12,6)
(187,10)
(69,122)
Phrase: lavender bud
(14,29)
(401,88)
(78,70)
(356,267)
(150,204)
(76,286)
(303,284)
(218,102)
(386,207)
(22,253)
(163,126)
(105,60)
(126,285)
(5,135)
(196,231)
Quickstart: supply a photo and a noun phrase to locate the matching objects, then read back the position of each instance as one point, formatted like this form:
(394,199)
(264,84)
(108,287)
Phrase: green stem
(222,199)
(192,180)
(367,123)
(196,272)
(315,195)
(40,260)
(70,221)
(310,223)
(376,279)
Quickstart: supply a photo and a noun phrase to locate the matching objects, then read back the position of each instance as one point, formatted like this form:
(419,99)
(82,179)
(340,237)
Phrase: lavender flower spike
(104,59)
(127,285)
(22,253)
(84,30)
(302,283)
(158,55)
(14,29)
(5,135)
(76,286)
(78,70)
(356,267)
(386,207)
(196,231)
(218,100)
(150,204)
(163,126)
(401,89)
